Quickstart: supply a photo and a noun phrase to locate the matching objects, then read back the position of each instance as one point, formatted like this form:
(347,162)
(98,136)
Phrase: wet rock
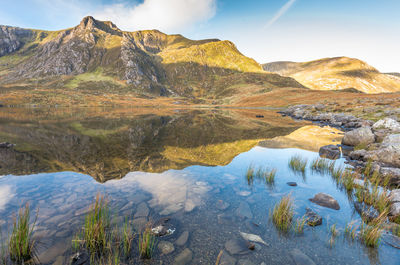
(391,240)
(245,262)
(252,238)
(330,152)
(184,257)
(313,219)
(395,209)
(358,136)
(162,227)
(142,210)
(387,123)
(325,200)
(182,239)
(6,145)
(239,246)
(171,209)
(166,247)
(368,212)
(244,211)
(222,205)
(292,184)
(300,258)
(225,218)
(394,195)
(389,154)
(226,259)
(80,258)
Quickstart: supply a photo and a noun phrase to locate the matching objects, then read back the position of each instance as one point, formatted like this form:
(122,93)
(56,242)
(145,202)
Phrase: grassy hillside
(337,74)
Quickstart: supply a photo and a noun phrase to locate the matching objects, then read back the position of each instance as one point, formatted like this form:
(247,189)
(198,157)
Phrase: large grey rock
(300,258)
(330,151)
(387,123)
(358,136)
(393,174)
(325,200)
(394,195)
(387,154)
(395,209)
(184,257)
(392,139)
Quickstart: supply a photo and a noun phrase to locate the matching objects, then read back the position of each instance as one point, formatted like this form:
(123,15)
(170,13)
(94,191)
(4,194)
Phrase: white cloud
(6,194)
(166,15)
(280,13)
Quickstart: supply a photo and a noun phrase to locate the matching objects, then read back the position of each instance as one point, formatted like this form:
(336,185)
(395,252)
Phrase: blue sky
(267,30)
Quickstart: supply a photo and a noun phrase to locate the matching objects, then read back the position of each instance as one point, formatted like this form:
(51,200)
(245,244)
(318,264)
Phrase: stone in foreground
(330,151)
(325,200)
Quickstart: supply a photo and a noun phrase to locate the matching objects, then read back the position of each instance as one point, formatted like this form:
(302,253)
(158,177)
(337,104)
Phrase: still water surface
(183,164)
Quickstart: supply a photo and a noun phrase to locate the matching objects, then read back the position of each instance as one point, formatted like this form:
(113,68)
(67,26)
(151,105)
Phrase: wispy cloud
(166,15)
(280,13)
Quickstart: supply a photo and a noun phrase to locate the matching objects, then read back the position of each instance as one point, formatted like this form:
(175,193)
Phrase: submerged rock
(245,262)
(300,258)
(358,136)
(166,247)
(292,184)
(330,151)
(142,210)
(244,211)
(391,240)
(184,257)
(162,227)
(239,246)
(253,238)
(325,200)
(313,219)
(182,239)
(226,259)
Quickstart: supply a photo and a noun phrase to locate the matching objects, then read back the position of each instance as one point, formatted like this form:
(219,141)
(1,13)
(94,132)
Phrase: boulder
(387,153)
(313,219)
(358,136)
(330,151)
(368,212)
(184,257)
(394,195)
(393,173)
(291,183)
(388,124)
(395,209)
(325,200)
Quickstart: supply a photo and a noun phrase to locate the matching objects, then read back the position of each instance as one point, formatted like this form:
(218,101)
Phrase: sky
(266,30)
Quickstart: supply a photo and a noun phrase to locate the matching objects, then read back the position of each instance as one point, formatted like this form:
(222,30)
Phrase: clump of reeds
(347,180)
(334,233)
(298,163)
(368,168)
(370,234)
(322,165)
(146,243)
(299,225)
(282,214)
(250,174)
(21,244)
(127,237)
(350,230)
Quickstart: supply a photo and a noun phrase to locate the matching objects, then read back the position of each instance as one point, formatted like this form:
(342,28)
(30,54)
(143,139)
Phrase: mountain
(337,74)
(97,57)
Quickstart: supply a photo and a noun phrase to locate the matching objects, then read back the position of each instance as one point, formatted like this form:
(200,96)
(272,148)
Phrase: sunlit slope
(337,74)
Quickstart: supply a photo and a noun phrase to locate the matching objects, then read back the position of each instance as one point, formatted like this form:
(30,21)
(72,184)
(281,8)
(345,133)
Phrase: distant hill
(394,74)
(337,73)
(98,57)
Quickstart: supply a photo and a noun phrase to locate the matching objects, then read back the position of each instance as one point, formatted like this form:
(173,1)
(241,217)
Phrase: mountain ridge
(336,73)
(97,54)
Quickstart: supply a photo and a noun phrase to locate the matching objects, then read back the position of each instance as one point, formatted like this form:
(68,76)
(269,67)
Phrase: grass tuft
(282,214)
(146,243)
(322,165)
(298,164)
(21,245)
(299,225)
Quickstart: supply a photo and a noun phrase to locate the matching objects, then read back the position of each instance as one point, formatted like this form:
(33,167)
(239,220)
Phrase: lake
(185,167)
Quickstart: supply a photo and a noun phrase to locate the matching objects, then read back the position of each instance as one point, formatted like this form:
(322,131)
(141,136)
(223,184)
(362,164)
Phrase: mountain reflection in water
(108,143)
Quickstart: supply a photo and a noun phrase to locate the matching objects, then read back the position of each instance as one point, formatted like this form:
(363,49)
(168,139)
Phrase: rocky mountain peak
(89,23)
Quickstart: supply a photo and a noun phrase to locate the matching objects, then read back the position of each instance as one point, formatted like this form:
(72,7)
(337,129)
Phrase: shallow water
(178,165)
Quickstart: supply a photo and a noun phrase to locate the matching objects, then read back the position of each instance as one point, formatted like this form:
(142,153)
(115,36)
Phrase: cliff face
(97,51)
(336,74)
